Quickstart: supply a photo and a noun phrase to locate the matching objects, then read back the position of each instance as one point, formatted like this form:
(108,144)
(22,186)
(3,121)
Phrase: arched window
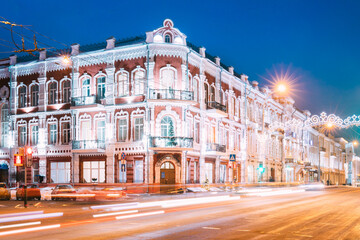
(167,38)
(123,84)
(100,87)
(196,89)
(4,125)
(139,82)
(212,94)
(168,79)
(167,127)
(34,95)
(52,92)
(66,91)
(85,89)
(167,165)
(22,97)
(206,92)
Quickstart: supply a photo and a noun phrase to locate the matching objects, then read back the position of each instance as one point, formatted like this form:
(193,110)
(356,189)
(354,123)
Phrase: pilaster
(110,85)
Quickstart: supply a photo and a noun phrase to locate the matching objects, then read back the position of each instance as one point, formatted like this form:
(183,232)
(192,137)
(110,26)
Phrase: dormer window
(167,38)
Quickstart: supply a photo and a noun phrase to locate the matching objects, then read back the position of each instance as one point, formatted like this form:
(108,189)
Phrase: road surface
(332,213)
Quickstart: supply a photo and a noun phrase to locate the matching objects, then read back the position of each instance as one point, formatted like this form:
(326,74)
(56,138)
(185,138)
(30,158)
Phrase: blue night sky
(317,40)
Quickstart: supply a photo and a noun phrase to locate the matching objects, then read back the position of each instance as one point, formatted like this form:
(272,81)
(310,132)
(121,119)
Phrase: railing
(85,100)
(88,144)
(216,105)
(289,160)
(171,142)
(171,94)
(215,147)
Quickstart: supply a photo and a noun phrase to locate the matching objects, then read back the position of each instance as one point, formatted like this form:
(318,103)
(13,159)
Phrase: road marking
(114,213)
(29,229)
(213,228)
(20,225)
(36,216)
(139,215)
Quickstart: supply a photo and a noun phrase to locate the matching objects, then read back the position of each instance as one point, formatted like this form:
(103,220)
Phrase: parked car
(63,191)
(33,192)
(4,192)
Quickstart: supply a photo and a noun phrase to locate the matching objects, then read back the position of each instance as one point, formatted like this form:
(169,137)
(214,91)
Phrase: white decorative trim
(174,116)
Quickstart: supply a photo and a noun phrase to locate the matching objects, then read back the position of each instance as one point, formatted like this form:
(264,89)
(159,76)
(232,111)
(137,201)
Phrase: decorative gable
(166,34)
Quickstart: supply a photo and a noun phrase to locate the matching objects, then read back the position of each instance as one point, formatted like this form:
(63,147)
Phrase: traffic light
(18,160)
(29,153)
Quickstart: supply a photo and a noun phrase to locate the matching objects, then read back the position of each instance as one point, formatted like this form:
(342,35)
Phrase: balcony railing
(88,144)
(289,160)
(171,94)
(171,142)
(85,100)
(215,147)
(216,105)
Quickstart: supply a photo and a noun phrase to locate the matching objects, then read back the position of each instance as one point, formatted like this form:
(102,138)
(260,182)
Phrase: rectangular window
(138,178)
(53,133)
(65,133)
(197,132)
(195,172)
(138,129)
(34,135)
(94,171)
(122,173)
(209,172)
(122,130)
(85,130)
(101,87)
(222,173)
(22,136)
(101,131)
(60,172)
(35,169)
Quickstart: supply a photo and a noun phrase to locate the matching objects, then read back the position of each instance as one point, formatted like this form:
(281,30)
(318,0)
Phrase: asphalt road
(332,213)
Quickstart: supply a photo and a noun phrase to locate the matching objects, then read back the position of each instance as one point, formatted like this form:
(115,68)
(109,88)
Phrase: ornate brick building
(174,110)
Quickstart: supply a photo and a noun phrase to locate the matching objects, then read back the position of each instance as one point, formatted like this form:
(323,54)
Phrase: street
(330,213)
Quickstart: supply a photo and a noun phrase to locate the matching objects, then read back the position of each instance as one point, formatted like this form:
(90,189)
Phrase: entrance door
(167,173)
(272,175)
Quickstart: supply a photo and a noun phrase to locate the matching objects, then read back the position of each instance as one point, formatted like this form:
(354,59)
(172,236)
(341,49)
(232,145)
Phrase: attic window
(167,38)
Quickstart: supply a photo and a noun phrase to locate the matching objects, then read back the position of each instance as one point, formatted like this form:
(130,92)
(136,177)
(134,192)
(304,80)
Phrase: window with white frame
(123,84)
(122,129)
(85,130)
(52,133)
(60,172)
(139,171)
(196,89)
(34,95)
(222,173)
(85,88)
(4,125)
(22,96)
(52,92)
(189,127)
(94,171)
(66,91)
(65,132)
(197,131)
(209,172)
(22,135)
(168,78)
(101,130)
(34,139)
(167,127)
(139,82)
(101,87)
(167,38)
(35,171)
(138,128)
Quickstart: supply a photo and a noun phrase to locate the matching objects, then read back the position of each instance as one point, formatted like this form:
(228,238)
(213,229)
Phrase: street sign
(123,156)
(123,168)
(232,158)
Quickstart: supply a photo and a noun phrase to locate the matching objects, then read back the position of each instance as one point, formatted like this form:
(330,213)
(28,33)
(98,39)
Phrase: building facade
(172,111)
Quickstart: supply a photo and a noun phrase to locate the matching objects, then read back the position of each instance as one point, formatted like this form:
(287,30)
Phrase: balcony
(167,143)
(215,147)
(86,145)
(216,109)
(85,100)
(170,94)
(289,160)
(322,149)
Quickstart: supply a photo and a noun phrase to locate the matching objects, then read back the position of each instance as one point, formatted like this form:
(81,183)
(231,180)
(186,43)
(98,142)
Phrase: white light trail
(20,225)
(114,213)
(36,216)
(275,193)
(125,205)
(29,229)
(20,214)
(140,215)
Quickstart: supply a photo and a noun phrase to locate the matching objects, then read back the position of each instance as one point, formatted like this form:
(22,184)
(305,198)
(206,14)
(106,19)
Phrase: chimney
(202,51)
(13,59)
(217,61)
(42,55)
(231,70)
(75,49)
(110,43)
(244,77)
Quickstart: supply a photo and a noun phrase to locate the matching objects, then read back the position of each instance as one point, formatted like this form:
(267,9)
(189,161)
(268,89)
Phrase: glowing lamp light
(355,143)
(281,88)
(66,60)
(329,125)
(29,151)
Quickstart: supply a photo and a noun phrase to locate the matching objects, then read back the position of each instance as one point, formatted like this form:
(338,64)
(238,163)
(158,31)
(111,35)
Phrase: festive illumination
(355,143)
(66,60)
